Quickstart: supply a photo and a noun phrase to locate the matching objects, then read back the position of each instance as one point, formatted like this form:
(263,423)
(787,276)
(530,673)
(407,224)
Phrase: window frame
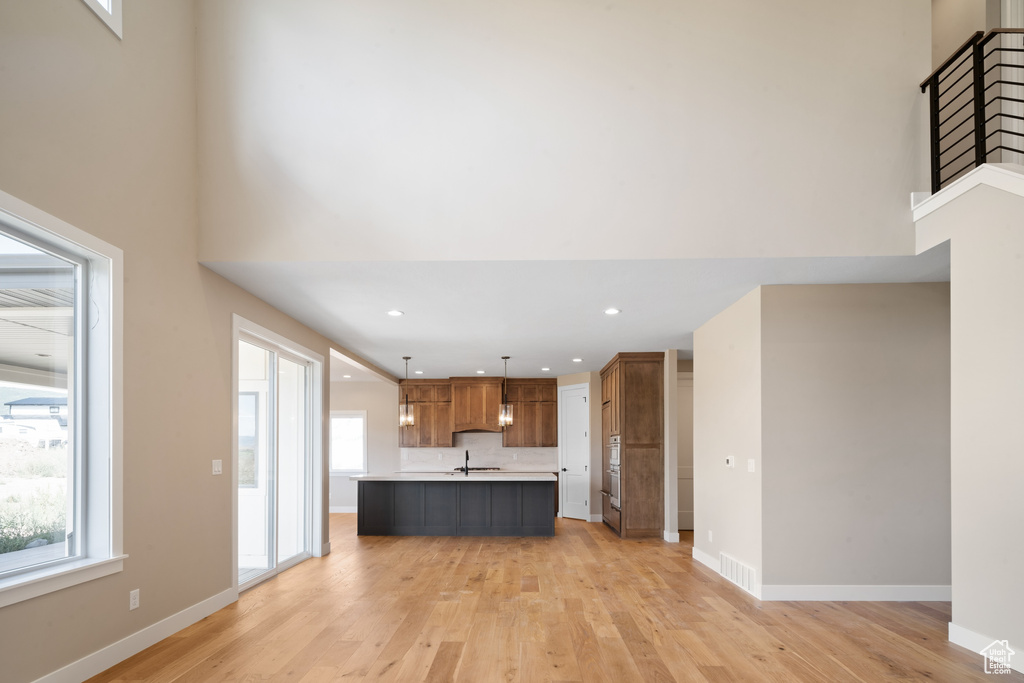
(330,452)
(111,16)
(98,386)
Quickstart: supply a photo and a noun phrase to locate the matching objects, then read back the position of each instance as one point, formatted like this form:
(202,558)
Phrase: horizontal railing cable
(976,102)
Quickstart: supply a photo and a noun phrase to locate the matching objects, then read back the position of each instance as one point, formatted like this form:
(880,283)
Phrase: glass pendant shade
(505,409)
(406,415)
(505,415)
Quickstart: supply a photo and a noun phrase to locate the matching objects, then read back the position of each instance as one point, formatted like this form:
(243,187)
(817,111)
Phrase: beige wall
(953,22)
(840,396)
(987,249)
(727,422)
(380,401)
(102,134)
(364,129)
(855,434)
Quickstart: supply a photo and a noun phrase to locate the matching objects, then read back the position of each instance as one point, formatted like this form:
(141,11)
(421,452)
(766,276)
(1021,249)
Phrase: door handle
(564,469)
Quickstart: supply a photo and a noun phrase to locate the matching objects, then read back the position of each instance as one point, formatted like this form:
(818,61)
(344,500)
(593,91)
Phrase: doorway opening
(278,454)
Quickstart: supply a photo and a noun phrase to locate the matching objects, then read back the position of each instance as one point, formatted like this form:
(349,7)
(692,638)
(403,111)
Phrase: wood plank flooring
(582,606)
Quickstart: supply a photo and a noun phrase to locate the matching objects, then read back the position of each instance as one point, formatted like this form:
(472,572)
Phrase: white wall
(987,247)
(855,435)
(685,449)
(394,131)
(380,401)
(727,422)
(670,407)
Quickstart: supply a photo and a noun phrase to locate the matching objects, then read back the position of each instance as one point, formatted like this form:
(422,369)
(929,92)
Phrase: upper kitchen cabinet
(534,413)
(475,403)
(432,412)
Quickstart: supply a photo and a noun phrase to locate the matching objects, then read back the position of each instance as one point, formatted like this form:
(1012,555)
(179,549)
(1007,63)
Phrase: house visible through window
(348,441)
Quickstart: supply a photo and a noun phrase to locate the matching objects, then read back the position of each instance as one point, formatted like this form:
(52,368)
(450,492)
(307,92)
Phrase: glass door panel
(273,461)
(291,460)
(255,391)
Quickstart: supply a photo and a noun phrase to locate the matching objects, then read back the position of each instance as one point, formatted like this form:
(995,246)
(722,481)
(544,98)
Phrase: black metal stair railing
(977,105)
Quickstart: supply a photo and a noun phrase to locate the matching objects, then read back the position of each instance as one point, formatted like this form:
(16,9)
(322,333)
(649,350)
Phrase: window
(109,11)
(248,439)
(60,463)
(348,441)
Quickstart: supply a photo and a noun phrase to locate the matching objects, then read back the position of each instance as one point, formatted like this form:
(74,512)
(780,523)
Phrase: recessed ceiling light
(612,311)
(545,369)
(347,376)
(43,355)
(577,360)
(396,313)
(479,372)
(418,372)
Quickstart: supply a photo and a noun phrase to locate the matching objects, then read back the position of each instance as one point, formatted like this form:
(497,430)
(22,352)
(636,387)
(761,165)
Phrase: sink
(479,469)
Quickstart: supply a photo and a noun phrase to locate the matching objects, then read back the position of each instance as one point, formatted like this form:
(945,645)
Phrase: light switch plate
(751,465)
(730,461)
(218,466)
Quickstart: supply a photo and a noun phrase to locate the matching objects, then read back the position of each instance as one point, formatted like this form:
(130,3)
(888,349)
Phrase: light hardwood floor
(582,606)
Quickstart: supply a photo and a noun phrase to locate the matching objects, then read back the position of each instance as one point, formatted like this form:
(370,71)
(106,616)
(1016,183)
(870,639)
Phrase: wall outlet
(709,535)
(440,456)
(133,599)
(515,456)
(730,461)
(218,468)
(751,465)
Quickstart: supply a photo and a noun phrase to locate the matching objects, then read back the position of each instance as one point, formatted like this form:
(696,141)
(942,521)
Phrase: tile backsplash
(485,450)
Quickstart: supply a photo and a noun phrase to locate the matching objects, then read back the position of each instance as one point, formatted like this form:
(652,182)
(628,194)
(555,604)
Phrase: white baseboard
(671,536)
(597,518)
(854,593)
(705,559)
(343,508)
(325,549)
(976,642)
(101,660)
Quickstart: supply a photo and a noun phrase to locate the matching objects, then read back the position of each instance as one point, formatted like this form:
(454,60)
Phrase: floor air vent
(737,572)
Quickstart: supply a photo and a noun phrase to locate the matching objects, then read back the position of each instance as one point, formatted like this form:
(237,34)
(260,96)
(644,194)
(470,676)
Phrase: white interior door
(574,451)
(685,450)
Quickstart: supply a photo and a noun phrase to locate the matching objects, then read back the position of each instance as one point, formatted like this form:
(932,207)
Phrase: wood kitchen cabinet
(632,400)
(534,414)
(475,403)
(433,414)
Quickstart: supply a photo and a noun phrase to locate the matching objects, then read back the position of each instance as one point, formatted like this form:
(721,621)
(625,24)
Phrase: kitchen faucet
(466,468)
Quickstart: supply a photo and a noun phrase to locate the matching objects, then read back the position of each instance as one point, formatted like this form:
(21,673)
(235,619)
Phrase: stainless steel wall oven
(614,467)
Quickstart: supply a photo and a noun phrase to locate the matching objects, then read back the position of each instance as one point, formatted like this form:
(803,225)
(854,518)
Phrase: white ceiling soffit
(345,369)
(461,317)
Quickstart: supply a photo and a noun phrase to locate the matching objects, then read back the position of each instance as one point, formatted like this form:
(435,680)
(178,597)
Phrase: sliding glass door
(274,460)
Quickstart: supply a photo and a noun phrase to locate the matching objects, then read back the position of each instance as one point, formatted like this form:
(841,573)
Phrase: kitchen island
(453,504)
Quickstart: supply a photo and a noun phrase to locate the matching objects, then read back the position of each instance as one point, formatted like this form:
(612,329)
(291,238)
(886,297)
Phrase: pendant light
(406,418)
(505,410)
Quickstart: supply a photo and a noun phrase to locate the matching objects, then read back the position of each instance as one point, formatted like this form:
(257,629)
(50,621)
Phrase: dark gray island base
(456,508)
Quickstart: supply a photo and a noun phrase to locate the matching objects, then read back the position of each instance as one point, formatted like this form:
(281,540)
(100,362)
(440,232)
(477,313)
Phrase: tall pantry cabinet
(632,408)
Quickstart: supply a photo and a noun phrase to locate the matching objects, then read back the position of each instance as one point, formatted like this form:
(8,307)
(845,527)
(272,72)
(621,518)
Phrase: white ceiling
(461,317)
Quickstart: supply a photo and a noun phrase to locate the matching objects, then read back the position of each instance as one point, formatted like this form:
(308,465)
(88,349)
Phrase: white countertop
(456,476)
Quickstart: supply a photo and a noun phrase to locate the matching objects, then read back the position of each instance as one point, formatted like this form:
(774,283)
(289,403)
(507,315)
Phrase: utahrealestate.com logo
(997,657)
